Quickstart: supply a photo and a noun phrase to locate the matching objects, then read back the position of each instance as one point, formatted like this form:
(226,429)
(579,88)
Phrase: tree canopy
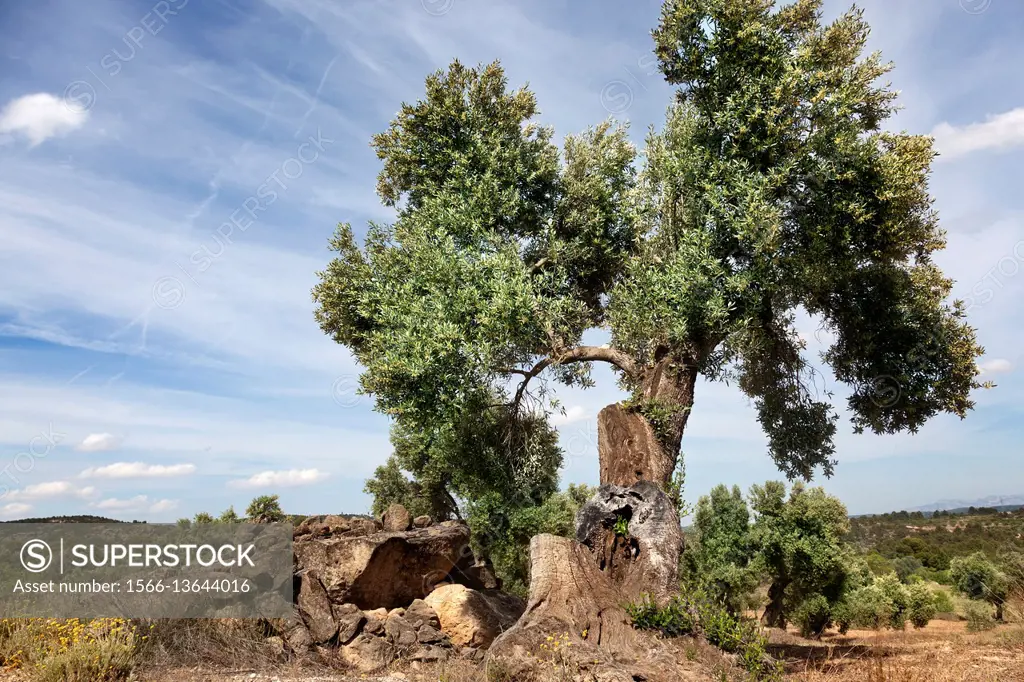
(770,189)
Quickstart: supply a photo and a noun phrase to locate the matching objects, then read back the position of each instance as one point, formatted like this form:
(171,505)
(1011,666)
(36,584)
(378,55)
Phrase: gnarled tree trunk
(774,614)
(641,442)
(628,538)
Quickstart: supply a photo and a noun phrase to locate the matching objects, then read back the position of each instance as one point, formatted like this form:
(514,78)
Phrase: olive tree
(721,555)
(800,544)
(977,578)
(770,189)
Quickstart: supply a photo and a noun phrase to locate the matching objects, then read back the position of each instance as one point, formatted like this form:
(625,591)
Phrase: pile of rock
(373,590)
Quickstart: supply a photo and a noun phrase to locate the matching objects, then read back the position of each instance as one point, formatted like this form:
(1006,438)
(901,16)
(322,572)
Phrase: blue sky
(170,173)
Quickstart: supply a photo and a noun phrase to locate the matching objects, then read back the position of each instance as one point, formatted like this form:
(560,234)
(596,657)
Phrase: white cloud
(138,470)
(995,366)
(39,117)
(163,505)
(50,489)
(99,442)
(572,414)
(137,503)
(1002,131)
(291,477)
(14,509)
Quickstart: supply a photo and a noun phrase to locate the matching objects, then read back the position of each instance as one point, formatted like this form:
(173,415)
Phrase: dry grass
(226,643)
(942,652)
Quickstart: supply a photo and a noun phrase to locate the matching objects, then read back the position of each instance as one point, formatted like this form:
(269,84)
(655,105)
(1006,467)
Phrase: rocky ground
(374,591)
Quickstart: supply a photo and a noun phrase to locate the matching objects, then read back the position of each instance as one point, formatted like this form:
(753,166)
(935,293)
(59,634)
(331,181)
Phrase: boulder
(384,569)
(479,576)
(315,608)
(359,526)
(349,619)
(368,653)
(399,631)
(420,613)
(333,523)
(298,640)
(397,519)
(375,621)
(305,527)
(428,634)
(471,617)
(422,521)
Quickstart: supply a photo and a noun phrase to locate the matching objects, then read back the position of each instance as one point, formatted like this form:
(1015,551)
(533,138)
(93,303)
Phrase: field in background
(941,652)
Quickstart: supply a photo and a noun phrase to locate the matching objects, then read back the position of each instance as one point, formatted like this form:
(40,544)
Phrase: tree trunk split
(579,589)
(628,449)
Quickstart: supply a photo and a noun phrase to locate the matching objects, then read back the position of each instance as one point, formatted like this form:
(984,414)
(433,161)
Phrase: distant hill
(84,518)
(996,501)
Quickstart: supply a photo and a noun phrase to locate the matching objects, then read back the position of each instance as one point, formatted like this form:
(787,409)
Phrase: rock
(422,521)
(368,653)
(471,653)
(427,654)
(315,608)
(305,527)
(384,569)
(349,619)
(469,617)
(399,632)
(428,634)
(298,640)
(359,527)
(335,524)
(648,560)
(375,621)
(397,612)
(397,519)
(479,576)
(275,647)
(420,613)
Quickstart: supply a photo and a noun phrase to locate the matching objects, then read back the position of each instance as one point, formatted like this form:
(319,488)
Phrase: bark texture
(630,446)
(628,449)
(646,559)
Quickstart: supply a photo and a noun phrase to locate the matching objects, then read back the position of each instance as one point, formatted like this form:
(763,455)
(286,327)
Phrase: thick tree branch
(570,355)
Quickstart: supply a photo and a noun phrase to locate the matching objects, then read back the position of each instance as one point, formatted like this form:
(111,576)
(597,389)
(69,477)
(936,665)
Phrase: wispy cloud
(273,479)
(996,366)
(50,490)
(14,509)
(1002,132)
(99,442)
(139,470)
(139,503)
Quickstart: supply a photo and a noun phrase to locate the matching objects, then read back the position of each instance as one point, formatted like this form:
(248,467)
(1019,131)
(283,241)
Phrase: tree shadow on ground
(821,655)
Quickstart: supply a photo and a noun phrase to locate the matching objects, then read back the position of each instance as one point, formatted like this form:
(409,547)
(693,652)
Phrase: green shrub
(920,605)
(842,615)
(870,608)
(979,616)
(943,601)
(672,620)
(813,616)
(885,603)
(697,612)
(896,593)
